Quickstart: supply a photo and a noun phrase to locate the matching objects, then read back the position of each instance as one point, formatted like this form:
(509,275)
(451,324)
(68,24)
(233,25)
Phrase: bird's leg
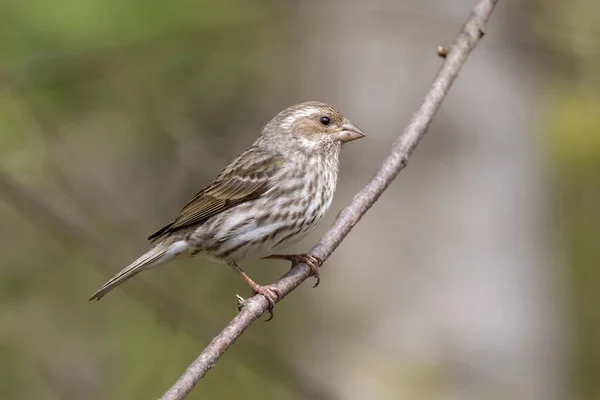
(313,262)
(268,292)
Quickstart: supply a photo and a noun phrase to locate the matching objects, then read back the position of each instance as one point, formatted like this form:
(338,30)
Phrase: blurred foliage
(573,127)
(569,32)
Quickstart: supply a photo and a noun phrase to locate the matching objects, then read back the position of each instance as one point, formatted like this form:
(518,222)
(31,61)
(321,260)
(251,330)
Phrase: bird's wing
(246,178)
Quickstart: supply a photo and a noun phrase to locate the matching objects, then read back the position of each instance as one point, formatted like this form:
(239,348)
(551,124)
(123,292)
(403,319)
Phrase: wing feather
(246,178)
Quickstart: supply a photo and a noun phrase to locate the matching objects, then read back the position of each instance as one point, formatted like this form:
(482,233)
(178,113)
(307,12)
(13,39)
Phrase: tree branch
(403,147)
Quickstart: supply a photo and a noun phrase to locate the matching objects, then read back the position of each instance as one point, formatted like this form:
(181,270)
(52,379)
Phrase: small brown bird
(269,197)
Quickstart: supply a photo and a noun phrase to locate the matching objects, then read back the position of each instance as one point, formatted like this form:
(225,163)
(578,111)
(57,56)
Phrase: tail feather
(161,253)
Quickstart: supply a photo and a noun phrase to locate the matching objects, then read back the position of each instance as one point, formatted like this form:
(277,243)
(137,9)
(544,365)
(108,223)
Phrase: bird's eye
(325,120)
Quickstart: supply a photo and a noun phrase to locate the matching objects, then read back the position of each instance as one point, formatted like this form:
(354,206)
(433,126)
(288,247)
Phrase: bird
(268,198)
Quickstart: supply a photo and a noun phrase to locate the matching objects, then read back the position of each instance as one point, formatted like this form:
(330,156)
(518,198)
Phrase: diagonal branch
(403,147)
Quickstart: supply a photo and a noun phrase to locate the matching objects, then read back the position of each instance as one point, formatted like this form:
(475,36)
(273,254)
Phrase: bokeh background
(475,276)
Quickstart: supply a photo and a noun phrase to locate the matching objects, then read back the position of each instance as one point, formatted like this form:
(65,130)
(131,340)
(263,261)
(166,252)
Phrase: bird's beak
(350,132)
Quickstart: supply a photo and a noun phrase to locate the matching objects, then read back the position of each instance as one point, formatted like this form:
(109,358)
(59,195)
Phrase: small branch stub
(442,52)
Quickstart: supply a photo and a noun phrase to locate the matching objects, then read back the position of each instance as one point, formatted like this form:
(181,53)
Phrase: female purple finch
(269,197)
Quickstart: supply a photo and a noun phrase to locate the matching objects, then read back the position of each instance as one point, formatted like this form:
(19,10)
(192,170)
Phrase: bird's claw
(313,263)
(269,293)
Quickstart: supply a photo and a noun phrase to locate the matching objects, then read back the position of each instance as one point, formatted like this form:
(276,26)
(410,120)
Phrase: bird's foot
(268,292)
(312,261)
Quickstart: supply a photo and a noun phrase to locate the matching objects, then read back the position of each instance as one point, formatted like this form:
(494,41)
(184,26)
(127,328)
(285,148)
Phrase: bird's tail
(161,253)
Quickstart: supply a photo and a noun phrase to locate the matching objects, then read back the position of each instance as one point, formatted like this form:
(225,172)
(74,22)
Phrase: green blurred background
(475,276)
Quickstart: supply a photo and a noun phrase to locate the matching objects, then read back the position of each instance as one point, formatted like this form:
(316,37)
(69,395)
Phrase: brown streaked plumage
(269,197)
(240,181)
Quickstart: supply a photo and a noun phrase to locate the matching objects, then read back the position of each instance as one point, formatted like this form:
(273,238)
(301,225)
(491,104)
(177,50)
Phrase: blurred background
(474,277)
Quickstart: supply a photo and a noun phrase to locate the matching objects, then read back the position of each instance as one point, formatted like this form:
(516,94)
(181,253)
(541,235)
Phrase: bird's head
(313,125)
